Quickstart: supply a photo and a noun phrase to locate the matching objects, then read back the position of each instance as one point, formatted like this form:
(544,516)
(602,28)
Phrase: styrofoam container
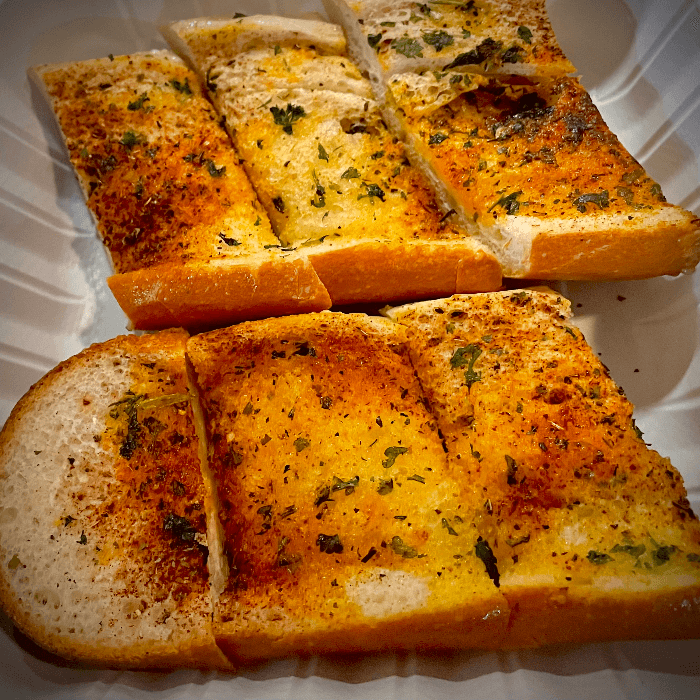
(640,59)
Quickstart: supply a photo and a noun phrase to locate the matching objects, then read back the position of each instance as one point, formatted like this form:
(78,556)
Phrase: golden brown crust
(646,246)
(590,616)
(383,271)
(210,295)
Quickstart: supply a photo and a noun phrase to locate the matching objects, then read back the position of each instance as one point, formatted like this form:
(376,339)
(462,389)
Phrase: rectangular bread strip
(589,531)
(488,36)
(532,167)
(341,519)
(104,543)
(480,93)
(335,182)
(169,197)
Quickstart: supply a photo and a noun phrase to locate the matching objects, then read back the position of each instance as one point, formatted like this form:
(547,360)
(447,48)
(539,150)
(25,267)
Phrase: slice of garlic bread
(488,36)
(535,171)
(169,197)
(104,545)
(343,524)
(335,182)
(590,531)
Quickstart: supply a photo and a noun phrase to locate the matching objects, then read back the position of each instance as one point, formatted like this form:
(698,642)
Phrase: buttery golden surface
(155,521)
(331,477)
(335,173)
(563,487)
(312,140)
(527,149)
(159,173)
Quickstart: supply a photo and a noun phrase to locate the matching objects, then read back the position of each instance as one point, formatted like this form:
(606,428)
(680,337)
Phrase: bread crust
(665,242)
(383,271)
(201,297)
(558,615)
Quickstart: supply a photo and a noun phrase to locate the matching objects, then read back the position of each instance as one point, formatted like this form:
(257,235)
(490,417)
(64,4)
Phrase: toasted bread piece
(104,542)
(535,170)
(335,182)
(489,37)
(169,197)
(480,94)
(589,531)
(341,518)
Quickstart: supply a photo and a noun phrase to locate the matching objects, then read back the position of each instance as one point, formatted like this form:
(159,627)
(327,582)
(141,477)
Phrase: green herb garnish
(485,553)
(131,139)
(510,203)
(598,557)
(287,116)
(438,40)
(179,527)
(301,444)
(391,453)
(348,485)
(437,138)
(372,191)
(350,173)
(184,88)
(410,48)
(599,198)
(373,40)
(406,551)
(138,103)
(385,486)
(525,34)
(466,357)
(330,544)
(512,468)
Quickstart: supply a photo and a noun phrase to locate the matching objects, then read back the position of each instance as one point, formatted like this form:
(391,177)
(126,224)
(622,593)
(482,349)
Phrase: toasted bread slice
(335,182)
(534,169)
(169,197)
(342,521)
(488,37)
(104,541)
(589,531)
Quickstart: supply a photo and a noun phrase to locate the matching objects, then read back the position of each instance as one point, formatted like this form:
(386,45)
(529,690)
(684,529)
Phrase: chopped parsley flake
(525,34)
(184,88)
(598,557)
(391,453)
(410,48)
(288,116)
(438,40)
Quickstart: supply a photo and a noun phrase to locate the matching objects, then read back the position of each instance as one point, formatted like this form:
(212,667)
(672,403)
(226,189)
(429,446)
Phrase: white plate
(641,62)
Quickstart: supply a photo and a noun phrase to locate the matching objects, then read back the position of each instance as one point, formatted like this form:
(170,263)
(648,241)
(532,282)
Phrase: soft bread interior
(104,540)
